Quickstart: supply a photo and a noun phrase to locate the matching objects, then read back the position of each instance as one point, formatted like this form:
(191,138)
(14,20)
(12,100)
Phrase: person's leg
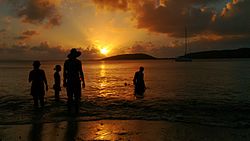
(141,89)
(136,90)
(77,96)
(41,98)
(56,95)
(70,96)
(35,98)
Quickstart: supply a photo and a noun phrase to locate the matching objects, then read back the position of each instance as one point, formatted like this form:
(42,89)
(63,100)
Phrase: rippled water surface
(211,92)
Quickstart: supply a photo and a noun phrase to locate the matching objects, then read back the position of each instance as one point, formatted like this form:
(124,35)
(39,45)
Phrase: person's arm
(135,77)
(45,81)
(82,75)
(143,82)
(30,77)
(64,75)
(83,82)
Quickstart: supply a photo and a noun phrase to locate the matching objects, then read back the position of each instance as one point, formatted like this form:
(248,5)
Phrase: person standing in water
(72,77)
(57,80)
(38,78)
(139,82)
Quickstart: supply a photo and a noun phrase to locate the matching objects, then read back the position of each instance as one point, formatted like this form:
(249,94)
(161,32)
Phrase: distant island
(213,54)
(137,56)
(220,54)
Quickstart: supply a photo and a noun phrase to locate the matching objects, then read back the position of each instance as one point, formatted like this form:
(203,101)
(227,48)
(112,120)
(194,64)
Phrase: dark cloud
(175,49)
(141,47)
(27,35)
(38,11)
(90,53)
(199,16)
(20,49)
(30,33)
(12,52)
(179,13)
(54,21)
(2,30)
(43,51)
(235,22)
(46,52)
(43,47)
(22,37)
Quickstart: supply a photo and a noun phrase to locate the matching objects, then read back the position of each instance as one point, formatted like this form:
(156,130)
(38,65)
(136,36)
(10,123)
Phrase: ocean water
(207,92)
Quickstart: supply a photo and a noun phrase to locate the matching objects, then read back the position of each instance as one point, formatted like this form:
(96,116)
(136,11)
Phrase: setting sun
(104,51)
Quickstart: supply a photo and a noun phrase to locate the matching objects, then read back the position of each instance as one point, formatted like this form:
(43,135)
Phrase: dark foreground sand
(140,130)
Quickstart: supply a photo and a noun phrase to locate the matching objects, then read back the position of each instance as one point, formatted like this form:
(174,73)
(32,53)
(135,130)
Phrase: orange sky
(156,27)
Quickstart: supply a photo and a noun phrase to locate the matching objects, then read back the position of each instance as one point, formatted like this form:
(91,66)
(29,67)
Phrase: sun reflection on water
(103,81)
(102,69)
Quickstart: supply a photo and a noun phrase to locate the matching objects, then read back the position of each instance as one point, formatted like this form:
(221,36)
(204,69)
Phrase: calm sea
(210,92)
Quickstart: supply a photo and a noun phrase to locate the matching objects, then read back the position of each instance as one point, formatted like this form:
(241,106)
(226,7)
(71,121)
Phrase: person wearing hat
(72,77)
(57,80)
(38,78)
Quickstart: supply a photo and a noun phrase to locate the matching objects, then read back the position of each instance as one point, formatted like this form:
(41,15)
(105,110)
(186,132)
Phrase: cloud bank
(25,35)
(43,12)
(43,51)
(199,16)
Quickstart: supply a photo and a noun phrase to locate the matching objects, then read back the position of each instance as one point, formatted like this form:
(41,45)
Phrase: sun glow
(103,47)
(104,51)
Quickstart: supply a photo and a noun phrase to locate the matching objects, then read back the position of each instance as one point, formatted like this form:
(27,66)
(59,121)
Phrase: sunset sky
(47,29)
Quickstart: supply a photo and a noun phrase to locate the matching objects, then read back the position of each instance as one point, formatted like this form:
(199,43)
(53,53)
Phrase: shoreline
(231,115)
(119,130)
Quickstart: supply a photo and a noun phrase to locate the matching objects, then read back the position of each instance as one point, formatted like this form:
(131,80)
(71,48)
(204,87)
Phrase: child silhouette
(57,80)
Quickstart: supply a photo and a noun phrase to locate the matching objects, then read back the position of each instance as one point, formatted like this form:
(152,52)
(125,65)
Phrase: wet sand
(71,130)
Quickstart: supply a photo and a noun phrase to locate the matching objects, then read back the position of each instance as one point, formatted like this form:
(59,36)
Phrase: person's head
(74,53)
(141,69)
(36,64)
(58,68)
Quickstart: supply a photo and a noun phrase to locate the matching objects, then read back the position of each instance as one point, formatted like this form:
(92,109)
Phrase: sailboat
(184,58)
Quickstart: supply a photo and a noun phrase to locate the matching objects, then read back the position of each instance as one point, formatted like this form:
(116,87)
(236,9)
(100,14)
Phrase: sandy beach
(120,130)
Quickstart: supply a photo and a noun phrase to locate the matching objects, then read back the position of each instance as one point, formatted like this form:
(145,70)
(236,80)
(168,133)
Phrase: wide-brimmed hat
(74,53)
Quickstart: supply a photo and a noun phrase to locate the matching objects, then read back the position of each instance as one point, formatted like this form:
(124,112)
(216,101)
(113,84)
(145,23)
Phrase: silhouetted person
(38,79)
(73,75)
(139,82)
(57,81)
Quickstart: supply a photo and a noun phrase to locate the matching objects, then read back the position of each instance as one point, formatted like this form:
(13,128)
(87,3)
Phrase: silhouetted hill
(215,54)
(138,56)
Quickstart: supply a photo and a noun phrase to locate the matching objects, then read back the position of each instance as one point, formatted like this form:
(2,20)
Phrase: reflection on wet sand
(36,130)
(55,129)
(61,131)
(103,132)
(71,130)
